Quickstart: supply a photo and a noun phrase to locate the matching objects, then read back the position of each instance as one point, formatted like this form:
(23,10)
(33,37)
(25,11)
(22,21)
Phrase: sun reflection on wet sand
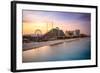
(75,50)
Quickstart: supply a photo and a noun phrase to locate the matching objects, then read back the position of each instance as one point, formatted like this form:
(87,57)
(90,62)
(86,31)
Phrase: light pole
(47,26)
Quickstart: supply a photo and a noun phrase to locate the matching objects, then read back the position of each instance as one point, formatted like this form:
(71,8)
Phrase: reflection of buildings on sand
(79,49)
(31,45)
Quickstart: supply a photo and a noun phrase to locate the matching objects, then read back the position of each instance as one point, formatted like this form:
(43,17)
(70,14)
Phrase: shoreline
(35,45)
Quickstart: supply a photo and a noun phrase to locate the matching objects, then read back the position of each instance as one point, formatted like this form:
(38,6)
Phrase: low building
(74,33)
(54,33)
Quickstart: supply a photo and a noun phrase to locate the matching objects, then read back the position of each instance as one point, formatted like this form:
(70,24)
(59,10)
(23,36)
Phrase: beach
(58,50)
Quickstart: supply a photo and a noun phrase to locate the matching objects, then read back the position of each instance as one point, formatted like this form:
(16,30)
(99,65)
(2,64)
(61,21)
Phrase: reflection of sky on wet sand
(75,50)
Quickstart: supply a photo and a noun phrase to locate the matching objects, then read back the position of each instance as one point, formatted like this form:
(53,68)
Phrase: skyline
(66,21)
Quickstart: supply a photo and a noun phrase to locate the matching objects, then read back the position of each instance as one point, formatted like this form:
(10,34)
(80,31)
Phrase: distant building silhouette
(77,32)
(74,33)
(54,34)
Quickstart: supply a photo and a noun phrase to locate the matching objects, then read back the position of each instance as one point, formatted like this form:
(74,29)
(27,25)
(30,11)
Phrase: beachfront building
(69,33)
(54,34)
(74,33)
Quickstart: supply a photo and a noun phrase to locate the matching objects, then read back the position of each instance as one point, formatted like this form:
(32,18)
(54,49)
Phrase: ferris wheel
(38,32)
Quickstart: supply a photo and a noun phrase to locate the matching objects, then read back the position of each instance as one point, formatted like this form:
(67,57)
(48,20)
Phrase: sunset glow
(46,20)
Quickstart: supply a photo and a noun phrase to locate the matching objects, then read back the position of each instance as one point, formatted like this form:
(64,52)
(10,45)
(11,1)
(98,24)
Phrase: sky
(46,20)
